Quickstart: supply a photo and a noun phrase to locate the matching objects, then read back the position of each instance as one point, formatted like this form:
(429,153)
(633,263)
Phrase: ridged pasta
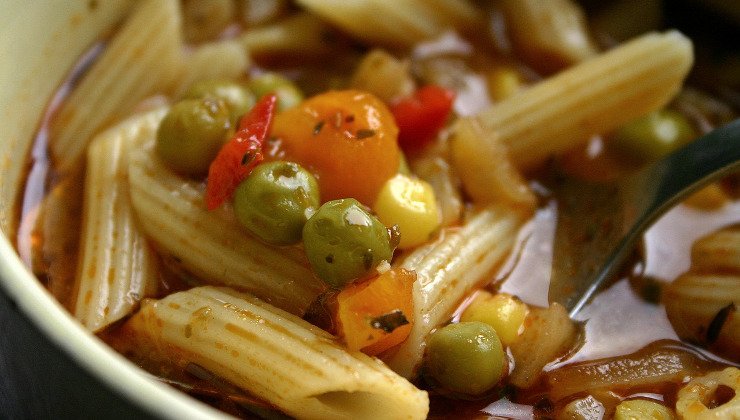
(548,34)
(144,58)
(396,23)
(702,304)
(211,244)
(448,269)
(595,96)
(274,355)
(117,267)
(300,34)
(693,399)
(217,60)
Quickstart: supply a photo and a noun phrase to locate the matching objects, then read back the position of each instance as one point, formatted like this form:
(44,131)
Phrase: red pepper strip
(241,153)
(420,117)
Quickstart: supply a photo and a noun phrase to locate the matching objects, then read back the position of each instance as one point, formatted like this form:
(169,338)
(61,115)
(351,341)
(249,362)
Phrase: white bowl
(39,43)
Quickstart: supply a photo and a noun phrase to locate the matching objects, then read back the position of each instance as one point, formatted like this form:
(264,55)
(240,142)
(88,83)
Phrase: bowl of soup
(327,210)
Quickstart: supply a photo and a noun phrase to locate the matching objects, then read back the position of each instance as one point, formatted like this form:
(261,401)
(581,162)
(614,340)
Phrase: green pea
(236,96)
(192,133)
(344,242)
(466,357)
(653,136)
(276,200)
(287,92)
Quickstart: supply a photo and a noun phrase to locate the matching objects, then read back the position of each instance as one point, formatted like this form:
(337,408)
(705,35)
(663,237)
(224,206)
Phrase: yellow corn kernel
(503,82)
(501,311)
(409,203)
(642,410)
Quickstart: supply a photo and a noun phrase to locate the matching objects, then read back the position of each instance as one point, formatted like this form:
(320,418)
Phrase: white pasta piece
(206,19)
(447,270)
(395,23)
(211,244)
(718,252)
(274,355)
(117,267)
(217,60)
(702,303)
(595,96)
(302,33)
(549,34)
(256,12)
(694,397)
(144,58)
(482,162)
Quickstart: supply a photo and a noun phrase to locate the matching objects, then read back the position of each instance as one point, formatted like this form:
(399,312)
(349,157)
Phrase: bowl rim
(89,352)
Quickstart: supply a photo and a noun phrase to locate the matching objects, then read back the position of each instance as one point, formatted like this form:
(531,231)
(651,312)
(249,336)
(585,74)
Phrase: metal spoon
(598,224)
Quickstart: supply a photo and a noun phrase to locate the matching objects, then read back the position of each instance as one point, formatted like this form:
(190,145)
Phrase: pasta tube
(211,244)
(217,60)
(143,59)
(117,268)
(701,303)
(447,270)
(396,23)
(548,34)
(595,96)
(302,33)
(274,355)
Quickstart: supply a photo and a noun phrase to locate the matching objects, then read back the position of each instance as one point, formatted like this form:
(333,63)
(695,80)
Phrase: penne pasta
(718,252)
(595,96)
(131,68)
(301,34)
(549,35)
(395,23)
(217,60)
(117,267)
(701,303)
(274,355)
(448,270)
(211,244)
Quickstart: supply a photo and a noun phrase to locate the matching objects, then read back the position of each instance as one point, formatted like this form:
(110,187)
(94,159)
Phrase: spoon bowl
(598,224)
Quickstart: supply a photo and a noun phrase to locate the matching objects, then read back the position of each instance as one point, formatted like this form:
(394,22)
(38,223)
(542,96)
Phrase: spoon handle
(660,186)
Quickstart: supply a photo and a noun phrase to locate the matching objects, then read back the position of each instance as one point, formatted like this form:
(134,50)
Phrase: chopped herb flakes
(390,321)
(364,133)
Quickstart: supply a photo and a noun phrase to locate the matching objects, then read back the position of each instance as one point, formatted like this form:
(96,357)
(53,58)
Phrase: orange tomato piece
(376,314)
(348,139)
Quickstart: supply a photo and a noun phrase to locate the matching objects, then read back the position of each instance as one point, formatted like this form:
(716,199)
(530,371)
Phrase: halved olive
(344,242)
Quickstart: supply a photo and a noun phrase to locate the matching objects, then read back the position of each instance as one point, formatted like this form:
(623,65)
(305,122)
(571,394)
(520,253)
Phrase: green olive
(236,96)
(344,242)
(465,358)
(276,200)
(653,136)
(192,133)
(287,92)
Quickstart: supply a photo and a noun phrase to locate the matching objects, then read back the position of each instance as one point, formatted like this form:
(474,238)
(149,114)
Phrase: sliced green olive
(465,358)
(344,242)
(236,96)
(653,136)
(276,200)
(192,133)
(287,92)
